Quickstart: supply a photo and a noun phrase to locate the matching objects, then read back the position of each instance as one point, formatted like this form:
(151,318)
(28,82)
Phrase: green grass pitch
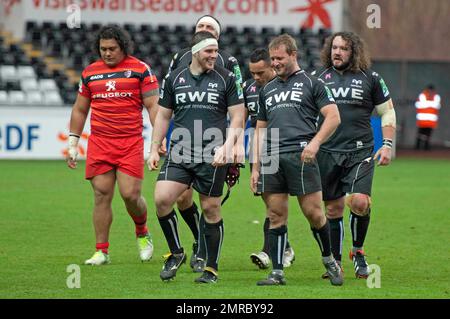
(46,225)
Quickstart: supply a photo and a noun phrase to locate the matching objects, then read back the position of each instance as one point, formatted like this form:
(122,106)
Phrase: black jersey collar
(290,76)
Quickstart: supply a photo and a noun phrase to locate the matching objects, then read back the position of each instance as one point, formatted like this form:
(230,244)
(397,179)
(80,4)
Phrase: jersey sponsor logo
(253,89)
(96,77)
(237,73)
(110,75)
(181,80)
(343,92)
(327,76)
(196,96)
(283,97)
(329,95)
(110,85)
(112,94)
(384,88)
(251,106)
(359,144)
(239,90)
(80,86)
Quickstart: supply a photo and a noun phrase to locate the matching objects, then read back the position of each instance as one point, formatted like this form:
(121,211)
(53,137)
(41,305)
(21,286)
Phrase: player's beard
(342,67)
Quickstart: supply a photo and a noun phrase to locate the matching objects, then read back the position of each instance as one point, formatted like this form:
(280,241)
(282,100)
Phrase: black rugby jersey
(200,105)
(356,96)
(292,107)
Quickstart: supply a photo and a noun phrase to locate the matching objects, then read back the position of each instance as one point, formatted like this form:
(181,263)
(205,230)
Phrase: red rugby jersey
(116,96)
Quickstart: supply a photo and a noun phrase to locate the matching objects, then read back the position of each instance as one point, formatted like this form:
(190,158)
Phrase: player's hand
(309,152)
(72,156)
(220,157)
(153,161)
(238,154)
(383,155)
(162,148)
(254,181)
(72,153)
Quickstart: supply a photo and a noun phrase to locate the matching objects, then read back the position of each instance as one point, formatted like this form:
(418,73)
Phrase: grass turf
(46,225)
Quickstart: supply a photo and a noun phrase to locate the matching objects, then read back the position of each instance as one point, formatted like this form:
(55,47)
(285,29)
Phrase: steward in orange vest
(428,105)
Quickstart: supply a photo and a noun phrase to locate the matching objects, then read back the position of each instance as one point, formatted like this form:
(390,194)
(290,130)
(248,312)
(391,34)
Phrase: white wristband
(73,140)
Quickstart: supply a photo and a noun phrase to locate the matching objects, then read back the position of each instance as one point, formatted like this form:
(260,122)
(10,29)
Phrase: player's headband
(212,22)
(203,44)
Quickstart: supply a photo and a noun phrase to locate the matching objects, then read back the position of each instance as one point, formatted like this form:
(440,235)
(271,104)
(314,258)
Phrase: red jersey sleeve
(83,89)
(149,82)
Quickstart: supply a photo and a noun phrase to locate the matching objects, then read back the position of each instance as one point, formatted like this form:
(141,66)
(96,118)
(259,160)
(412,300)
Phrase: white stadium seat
(25,72)
(52,98)
(34,98)
(8,73)
(47,85)
(4,97)
(29,84)
(16,97)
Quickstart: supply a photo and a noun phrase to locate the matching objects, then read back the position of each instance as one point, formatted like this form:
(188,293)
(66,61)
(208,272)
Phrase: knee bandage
(349,202)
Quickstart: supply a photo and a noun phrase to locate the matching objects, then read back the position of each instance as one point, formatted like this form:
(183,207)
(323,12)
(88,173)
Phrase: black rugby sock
(169,225)
(322,237)
(336,236)
(191,217)
(359,226)
(213,240)
(277,245)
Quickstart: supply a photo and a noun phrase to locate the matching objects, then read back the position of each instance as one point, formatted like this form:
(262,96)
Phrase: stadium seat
(25,72)
(8,73)
(52,98)
(31,25)
(147,28)
(95,27)
(4,97)
(12,85)
(231,30)
(163,29)
(131,28)
(248,30)
(48,27)
(16,97)
(288,30)
(34,98)
(77,61)
(8,59)
(29,84)
(36,38)
(268,31)
(70,97)
(47,85)
(21,59)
